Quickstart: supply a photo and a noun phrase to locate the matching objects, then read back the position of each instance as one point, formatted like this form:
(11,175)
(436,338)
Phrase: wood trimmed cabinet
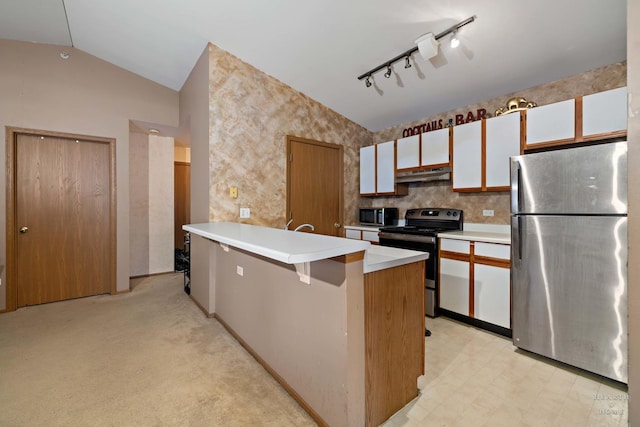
(599,116)
(475,283)
(362,233)
(427,150)
(378,171)
(481,152)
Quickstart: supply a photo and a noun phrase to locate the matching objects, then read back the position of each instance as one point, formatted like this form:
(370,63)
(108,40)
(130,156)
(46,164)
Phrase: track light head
(387,73)
(407,62)
(367,82)
(455,41)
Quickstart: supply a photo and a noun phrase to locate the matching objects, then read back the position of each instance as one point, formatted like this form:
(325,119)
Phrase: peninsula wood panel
(394,339)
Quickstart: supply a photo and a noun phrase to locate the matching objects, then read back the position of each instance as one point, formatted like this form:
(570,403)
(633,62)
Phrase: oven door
(423,244)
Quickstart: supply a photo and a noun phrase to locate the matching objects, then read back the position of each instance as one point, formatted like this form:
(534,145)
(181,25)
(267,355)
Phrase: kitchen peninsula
(338,322)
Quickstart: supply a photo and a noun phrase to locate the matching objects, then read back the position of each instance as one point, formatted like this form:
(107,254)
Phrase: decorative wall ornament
(515,104)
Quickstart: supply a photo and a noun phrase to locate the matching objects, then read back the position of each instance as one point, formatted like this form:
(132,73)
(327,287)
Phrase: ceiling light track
(407,54)
(66,17)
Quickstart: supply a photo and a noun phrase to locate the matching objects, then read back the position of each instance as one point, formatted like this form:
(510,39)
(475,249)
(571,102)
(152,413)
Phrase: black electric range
(420,234)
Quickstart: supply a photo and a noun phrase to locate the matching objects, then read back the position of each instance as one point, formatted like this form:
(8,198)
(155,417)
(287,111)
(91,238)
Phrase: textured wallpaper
(250,115)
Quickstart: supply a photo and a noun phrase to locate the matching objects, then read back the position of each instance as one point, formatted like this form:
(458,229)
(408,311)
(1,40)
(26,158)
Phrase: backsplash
(439,195)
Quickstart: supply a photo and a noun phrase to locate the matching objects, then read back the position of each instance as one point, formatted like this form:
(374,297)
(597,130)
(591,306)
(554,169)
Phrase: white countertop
(286,246)
(293,247)
(478,236)
(381,257)
(362,227)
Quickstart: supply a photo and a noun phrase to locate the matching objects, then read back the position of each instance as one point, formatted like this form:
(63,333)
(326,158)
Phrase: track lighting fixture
(387,73)
(427,44)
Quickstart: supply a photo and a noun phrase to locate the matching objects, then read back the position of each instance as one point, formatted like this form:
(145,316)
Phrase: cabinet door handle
(24,229)
(336,225)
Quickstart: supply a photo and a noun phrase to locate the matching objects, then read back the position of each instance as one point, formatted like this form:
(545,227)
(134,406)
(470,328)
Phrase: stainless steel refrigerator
(569,256)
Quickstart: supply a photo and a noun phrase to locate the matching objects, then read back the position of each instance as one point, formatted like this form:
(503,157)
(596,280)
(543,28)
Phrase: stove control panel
(447,214)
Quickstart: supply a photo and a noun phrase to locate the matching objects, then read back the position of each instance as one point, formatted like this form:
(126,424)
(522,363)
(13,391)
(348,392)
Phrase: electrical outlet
(245,213)
(487,212)
(239,270)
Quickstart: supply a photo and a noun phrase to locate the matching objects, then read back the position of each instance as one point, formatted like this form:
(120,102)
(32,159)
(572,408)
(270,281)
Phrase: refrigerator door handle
(516,184)
(516,239)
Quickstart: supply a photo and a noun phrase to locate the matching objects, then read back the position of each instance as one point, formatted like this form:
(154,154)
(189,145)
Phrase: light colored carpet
(146,358)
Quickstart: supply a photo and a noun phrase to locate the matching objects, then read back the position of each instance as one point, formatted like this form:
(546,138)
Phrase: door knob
(24,229)
(336,225)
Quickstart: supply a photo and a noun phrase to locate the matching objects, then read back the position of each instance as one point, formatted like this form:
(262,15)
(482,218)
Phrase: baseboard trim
(142,276)
(313,414)
(204,310)
(477,323)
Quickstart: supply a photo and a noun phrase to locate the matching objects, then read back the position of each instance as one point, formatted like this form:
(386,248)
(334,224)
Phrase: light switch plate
(233,192)
(245,213)
(239,270)
(487,212)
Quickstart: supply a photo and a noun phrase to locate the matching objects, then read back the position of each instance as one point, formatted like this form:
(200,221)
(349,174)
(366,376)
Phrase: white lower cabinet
(360,233)
(491,295)
(488,296)
(351,233)
(454,286)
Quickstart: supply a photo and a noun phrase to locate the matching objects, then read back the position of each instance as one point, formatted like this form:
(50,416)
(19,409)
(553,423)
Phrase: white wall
(161,201)
(151,204)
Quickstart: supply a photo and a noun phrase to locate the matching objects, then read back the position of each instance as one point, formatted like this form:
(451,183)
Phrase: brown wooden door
(62,212)
(314,184)
(182,200)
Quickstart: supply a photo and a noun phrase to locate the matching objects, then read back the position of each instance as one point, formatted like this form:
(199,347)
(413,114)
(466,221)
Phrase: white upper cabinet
(408,150)
(368,170)
(435,148)
(386,167)
(467,156)
(604,112)
(378,171)
(551,123)
(502,142)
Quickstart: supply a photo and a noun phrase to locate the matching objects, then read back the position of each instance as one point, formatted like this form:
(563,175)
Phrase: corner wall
(251,113)
(82,95)
(194,114)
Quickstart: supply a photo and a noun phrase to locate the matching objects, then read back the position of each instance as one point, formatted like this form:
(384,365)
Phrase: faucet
(286,227)
(301,226)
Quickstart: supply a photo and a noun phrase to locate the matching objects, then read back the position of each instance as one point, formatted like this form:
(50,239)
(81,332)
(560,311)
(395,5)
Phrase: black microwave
(378,216)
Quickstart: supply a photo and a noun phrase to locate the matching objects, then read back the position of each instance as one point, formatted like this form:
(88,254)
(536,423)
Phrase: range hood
(425,175)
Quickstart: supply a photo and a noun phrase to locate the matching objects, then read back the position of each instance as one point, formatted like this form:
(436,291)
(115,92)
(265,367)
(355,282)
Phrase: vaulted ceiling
(321,47)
